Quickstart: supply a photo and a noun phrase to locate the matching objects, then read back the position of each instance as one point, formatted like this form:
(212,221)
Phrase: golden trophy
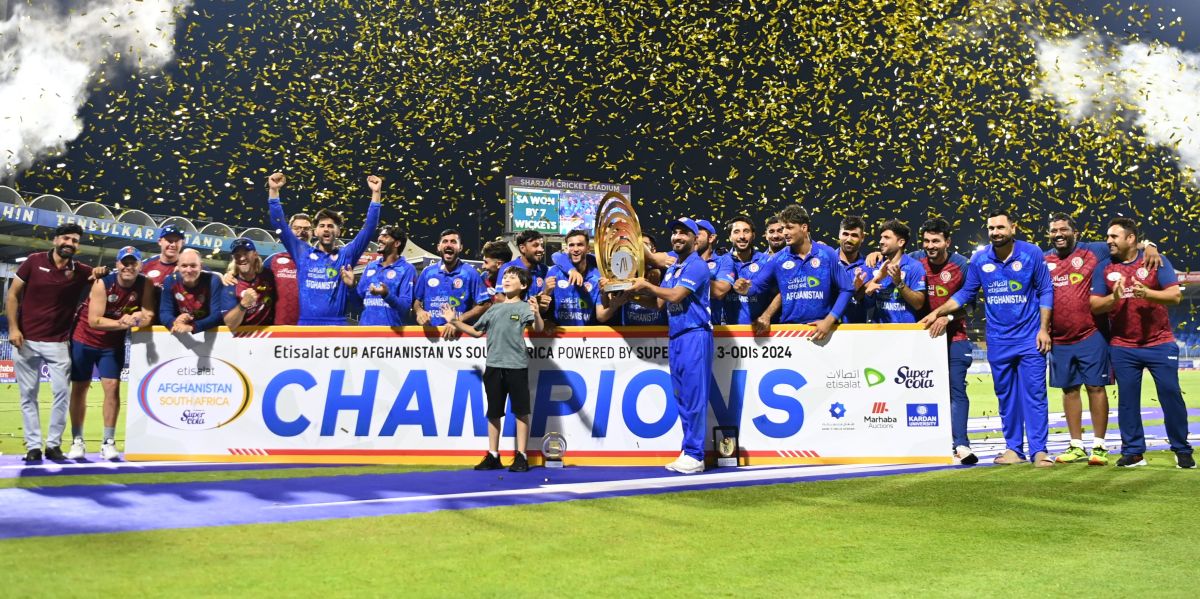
(619,249)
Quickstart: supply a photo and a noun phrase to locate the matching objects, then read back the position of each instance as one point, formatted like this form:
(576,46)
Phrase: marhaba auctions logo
(194,393)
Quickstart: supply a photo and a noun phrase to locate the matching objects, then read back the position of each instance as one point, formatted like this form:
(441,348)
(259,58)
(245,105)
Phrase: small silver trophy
(554,447)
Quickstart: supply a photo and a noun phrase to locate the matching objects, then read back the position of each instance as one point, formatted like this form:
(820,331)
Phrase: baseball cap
(169,230)
(242,243)
(686,223)
(128,251)
(707,226)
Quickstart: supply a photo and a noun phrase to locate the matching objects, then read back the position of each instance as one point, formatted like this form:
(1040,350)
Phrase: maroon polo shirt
(50,297)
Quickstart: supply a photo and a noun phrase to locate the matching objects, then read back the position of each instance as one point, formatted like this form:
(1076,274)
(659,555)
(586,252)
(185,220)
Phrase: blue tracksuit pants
(1163,362)
(690,355)
(1019,375)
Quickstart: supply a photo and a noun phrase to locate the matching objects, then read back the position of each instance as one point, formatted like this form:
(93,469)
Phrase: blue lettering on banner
(413,404)
(633,420)
(274,423)
(415,385)
(922,414)
(336,401)
(795,412)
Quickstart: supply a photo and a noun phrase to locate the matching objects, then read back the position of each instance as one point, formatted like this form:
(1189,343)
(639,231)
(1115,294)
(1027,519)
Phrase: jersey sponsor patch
(458,283)
(112,297)
(945,276)
(312,256)
(1077,262)
(371,273)
(282,260)
(588,286)
(563,284)
(815,262)
(1051,265)
(788,265)
(391,274)
(712,265)
(989,268)
(754,267)
(434,282)
(1114,276)
(1016,266)
(1142,273)
(154,273)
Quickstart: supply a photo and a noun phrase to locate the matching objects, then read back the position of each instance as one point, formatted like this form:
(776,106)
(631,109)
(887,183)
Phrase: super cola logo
(912,378)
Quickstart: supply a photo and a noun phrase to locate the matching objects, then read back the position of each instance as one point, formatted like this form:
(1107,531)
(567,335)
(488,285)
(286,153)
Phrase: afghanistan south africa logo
(195,393)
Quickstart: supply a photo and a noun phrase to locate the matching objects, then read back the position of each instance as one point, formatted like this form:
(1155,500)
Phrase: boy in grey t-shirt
(507,371)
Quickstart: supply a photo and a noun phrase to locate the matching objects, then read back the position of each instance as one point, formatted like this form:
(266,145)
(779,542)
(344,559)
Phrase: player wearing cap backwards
(1135,298)
(191,298)
(113,306)
(451,282)
(685,295)
(386,286)
(323,294)
(745,262)
(40,302)
(813,285)
(721,266)
(283,266)
(1079,356)
(156,268)
(575,305)
(249,294)
(1018,298)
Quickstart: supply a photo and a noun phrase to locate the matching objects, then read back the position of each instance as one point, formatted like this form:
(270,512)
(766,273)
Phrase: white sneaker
(687,465)
(78,449)
(965,456)
(108,450)
(672,465)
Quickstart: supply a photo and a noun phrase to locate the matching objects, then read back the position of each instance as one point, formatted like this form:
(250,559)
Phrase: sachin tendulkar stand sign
(873,393)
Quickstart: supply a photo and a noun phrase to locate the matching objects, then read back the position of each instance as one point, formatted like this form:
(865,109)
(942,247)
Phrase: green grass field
(1000,531)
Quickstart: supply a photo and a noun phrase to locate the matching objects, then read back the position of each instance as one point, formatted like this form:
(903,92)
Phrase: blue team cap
(169,230)
(707,226)
(686,223)
(242,243)
(128,251)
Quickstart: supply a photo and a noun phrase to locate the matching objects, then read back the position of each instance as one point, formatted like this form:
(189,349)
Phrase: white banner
(372,394)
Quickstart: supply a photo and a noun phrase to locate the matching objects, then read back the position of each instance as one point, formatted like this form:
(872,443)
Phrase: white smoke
(50,54)
(1155,88)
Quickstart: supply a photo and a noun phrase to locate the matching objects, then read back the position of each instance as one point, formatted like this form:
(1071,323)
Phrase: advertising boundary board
(870,394)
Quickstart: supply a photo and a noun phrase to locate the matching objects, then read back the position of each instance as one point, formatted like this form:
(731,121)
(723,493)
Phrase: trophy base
(554,464)
(621,286)
(727,462)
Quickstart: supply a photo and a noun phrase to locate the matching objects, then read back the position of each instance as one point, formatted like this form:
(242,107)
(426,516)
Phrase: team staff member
(945,273)
(450,282)
(745,262)
(1135,297)
(249,294)
(113,306)
(283,267)
(322,293)
(898,284)
(157,268)
(721,266)
(40,302)
(1014,279)
(685,295)
(814,287)
(386,287)
(575,305)
(191,299)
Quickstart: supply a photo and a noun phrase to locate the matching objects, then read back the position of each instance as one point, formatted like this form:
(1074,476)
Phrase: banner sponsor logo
(195,393)
(922,414)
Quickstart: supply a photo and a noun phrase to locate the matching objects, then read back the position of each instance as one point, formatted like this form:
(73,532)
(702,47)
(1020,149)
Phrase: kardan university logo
(195,393)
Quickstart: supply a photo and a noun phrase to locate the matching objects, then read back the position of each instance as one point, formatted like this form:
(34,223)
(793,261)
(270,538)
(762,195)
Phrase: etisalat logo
(853,379)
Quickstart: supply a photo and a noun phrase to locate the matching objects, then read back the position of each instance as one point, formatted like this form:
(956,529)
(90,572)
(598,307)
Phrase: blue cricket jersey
(395,308)
(721,267)
(537,275)
(856,309)
(461,287)
(743,309)
(1015,290)
(692,313)
(890,307)
(812,286)
(322,293)
(574,305)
